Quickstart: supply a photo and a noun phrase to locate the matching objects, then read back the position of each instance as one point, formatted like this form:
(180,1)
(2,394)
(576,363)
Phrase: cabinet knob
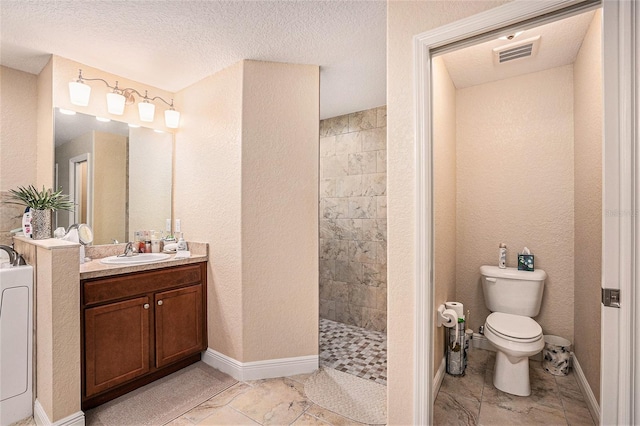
(146,306)
(159,302)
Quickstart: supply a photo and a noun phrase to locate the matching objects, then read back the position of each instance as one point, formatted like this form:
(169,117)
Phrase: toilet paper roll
(456,306)
(451,318)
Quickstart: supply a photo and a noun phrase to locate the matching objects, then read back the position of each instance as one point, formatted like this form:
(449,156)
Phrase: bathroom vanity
(139,326)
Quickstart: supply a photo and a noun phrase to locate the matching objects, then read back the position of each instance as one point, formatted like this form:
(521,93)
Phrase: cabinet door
(179,324)
(116,338)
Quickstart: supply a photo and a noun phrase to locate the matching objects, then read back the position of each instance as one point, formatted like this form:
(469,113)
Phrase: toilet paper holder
(446,317)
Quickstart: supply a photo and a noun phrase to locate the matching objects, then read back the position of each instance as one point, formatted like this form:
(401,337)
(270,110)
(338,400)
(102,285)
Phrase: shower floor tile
(354,350)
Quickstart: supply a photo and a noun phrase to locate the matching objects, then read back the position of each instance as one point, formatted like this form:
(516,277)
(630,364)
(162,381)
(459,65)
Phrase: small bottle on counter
(147,244)
(502,256)
(155,245)
(139,241)
(182,244)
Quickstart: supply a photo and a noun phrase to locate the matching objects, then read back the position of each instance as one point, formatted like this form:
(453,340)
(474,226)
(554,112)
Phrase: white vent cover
(518,50)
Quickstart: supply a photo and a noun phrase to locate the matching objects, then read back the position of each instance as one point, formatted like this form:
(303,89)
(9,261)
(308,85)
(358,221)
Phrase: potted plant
(41,204)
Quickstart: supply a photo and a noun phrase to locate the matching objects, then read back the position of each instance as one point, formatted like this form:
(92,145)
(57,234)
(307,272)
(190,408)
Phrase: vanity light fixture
(66,111)
(80,92)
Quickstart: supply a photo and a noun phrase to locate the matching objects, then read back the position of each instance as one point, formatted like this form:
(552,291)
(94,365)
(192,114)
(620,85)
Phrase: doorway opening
(517,159)
(353,253)
(620,167)
(353,237)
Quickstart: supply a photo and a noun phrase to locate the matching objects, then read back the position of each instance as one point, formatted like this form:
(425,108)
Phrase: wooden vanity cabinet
(139,327)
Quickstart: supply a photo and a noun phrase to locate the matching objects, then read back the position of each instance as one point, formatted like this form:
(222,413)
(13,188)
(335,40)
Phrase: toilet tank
(512,291)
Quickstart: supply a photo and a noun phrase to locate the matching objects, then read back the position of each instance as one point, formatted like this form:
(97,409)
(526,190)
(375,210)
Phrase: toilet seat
(516,328)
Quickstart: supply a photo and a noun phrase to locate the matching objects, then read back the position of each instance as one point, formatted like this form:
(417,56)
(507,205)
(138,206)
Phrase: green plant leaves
(41,200)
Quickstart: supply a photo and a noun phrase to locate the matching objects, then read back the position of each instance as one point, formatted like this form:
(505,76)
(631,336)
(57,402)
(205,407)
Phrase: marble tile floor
(280,401)
(353,350)
(473,400)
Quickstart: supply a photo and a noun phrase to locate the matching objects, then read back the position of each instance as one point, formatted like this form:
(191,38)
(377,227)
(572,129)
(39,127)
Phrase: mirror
(119,176)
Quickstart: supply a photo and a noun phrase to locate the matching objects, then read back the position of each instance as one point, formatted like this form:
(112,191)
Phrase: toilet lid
(514,326)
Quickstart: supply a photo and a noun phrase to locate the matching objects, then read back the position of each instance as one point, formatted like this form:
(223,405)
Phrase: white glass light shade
(171,118)
(147,111)
(79,93)
(115,103)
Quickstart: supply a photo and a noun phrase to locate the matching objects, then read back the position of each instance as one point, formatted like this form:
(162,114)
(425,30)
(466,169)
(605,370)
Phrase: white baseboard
(257,370)
(589,397)
(42,419)
(439,377)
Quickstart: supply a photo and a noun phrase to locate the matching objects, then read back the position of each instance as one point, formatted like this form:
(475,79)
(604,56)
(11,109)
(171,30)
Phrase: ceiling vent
(518,50)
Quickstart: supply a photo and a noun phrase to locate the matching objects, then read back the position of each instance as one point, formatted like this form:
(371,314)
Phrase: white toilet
(513,297)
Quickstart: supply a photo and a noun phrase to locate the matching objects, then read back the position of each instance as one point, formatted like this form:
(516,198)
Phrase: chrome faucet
(15,258)
(128,250)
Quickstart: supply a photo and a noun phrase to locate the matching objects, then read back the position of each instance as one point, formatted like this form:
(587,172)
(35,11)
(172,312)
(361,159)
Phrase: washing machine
(16,339)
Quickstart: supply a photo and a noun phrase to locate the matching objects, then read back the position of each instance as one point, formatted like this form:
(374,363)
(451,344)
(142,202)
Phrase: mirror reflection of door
(79,193)
(80,176)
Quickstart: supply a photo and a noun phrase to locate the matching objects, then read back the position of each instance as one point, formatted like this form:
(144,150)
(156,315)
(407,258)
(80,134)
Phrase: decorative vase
(41,224)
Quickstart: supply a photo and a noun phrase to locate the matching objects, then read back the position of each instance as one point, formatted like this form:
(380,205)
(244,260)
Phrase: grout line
(240,412)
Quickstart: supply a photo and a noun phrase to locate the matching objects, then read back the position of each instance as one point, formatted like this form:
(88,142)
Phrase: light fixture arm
(82,79)
(158,97)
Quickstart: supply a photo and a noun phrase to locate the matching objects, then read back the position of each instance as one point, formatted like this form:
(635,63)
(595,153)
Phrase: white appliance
(514,297)
(16,337)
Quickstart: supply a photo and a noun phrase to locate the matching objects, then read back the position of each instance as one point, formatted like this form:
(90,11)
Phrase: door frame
(86,157)
(620,345)
(620,123)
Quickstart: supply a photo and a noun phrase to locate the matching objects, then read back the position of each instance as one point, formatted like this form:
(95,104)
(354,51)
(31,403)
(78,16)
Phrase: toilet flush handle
(491,280)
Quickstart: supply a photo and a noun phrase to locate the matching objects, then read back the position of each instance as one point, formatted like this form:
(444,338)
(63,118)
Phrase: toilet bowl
(515,338)
(514,297)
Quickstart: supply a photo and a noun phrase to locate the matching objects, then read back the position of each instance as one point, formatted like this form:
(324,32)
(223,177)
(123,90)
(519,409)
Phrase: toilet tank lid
(512,273)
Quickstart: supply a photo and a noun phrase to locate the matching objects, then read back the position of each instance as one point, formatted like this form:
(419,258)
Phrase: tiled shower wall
(353,219)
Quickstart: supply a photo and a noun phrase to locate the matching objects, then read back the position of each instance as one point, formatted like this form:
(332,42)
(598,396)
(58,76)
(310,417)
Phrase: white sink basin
(135,260)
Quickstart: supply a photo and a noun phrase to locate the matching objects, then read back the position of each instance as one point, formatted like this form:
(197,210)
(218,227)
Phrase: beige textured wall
(57,305)
(18,134)
(515,185)
(280,117)
(404,20)
(588,202)
(109,187)
(444,188)
(246,183)
(44,149)
(208,195)
(18,109)
(353,219)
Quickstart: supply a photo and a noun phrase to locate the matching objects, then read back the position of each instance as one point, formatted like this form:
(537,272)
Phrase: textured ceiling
(172,44)
(559,45)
